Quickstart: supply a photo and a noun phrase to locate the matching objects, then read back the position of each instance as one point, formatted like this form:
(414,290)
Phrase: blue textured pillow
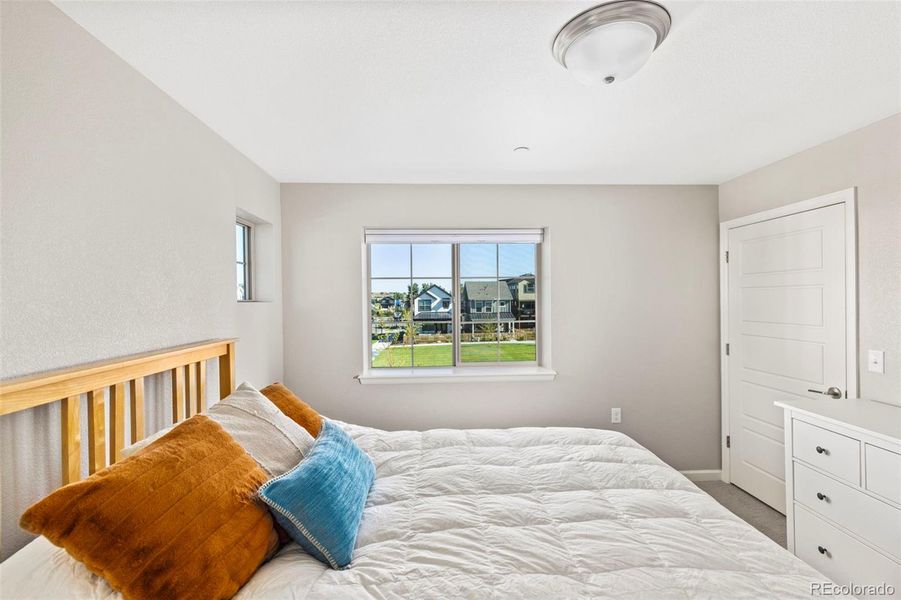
(320,501)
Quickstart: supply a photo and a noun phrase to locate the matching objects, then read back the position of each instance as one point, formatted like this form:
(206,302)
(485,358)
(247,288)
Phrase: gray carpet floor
(766,520)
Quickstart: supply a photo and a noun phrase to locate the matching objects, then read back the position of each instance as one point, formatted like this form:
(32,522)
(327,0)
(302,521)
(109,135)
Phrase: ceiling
(441,92)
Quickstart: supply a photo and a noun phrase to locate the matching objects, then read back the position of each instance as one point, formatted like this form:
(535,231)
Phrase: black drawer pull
(821,450)
(821,550)
(822,496)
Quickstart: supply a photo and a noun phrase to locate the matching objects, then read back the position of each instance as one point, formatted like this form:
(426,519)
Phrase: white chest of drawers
(843,489)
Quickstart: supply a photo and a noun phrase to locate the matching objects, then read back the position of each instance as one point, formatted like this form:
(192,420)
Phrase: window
(243,233)
(483,321)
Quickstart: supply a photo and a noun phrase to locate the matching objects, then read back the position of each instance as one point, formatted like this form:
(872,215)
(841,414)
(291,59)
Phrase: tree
(412,292)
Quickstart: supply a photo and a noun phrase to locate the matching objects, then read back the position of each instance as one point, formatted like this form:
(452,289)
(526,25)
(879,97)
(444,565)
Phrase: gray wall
(117,227)
(634,303)
(869,158)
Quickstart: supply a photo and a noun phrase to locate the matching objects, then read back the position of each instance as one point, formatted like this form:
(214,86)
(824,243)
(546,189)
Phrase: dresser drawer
(883,473)
(843,559)
(827,450)
(863,515)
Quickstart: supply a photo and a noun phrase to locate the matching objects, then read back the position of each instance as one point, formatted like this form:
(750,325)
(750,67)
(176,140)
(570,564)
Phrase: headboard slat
(191,388)
(71,438)
(117,421)
(201,386)
(227,371)
(178,394)
(136,391)
(96,430)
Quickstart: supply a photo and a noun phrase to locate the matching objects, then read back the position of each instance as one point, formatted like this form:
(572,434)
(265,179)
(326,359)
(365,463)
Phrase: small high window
(243,237)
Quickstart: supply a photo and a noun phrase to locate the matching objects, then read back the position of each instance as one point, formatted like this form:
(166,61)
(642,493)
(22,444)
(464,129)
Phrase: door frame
(848,197)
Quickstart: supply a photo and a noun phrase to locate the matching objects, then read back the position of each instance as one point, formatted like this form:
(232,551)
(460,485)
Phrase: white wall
(117,224)
(870,159)
(634,309)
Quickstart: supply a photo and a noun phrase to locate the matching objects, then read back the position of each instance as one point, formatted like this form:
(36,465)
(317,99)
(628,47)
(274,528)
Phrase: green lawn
(442,355)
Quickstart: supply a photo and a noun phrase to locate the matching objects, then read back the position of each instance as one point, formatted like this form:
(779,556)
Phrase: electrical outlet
(616,415)
(876,361)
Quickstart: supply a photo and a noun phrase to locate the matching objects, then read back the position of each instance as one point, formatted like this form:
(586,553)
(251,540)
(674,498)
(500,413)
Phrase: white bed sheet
(515,513)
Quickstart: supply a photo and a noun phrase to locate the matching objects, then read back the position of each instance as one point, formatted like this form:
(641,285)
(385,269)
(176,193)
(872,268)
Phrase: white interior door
(786,334)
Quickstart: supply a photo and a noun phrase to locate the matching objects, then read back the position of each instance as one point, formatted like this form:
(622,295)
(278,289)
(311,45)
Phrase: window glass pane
(522,291)
(482,299)
(432,260)
(516,259)
(517,342)
(239,242)
(392,328)
(432,300)
(504,302)
(390,343)
(479,302)
(478,342)
(388,299)
(478,260)
(433,345)
(389,260)
(242,290)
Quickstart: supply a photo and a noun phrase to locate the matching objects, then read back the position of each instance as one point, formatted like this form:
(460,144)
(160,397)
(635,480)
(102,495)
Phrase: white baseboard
(704,475)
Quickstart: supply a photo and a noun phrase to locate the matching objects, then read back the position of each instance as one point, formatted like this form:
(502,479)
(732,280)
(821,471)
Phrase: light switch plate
(876,361)
(616,415)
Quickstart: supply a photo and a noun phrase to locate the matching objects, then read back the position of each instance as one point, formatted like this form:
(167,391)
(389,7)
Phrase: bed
(514,513)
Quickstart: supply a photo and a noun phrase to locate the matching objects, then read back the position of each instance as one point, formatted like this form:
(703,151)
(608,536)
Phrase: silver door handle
(833,392)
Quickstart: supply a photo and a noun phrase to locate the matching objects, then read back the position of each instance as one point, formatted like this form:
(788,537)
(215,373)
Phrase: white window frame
(538,370)
(248,259)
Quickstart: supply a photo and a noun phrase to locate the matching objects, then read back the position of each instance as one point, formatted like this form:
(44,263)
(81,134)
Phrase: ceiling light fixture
(612,41)
(521,149)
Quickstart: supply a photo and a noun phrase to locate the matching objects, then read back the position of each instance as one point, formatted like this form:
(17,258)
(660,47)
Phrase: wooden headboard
(187,365)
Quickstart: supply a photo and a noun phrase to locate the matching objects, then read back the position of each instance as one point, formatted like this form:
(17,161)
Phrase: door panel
(786,323)
(783,305)
(791,251)
(782,357)
(764,453)
(763,407)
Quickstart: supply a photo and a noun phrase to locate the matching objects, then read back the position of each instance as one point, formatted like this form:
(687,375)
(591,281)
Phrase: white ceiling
(441,92)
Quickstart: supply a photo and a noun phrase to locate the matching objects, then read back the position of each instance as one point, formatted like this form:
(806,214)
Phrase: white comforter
(517,513)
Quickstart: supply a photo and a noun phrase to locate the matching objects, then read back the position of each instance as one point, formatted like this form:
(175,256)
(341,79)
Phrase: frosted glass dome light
(611,42)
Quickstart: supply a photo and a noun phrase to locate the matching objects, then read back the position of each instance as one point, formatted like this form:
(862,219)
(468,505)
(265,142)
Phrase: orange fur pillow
(296,409)
(179,519)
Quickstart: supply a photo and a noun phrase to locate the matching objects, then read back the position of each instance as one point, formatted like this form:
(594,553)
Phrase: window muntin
(243,233)
(442,305)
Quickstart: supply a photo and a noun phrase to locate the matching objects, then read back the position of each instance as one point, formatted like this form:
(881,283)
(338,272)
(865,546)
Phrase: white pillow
(143,443)
(276,442)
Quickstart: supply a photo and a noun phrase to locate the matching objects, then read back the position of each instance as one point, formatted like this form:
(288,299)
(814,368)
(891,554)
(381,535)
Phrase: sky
(433,263)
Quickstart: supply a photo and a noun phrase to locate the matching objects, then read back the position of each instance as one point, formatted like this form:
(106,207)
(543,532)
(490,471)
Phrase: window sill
(457,375)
